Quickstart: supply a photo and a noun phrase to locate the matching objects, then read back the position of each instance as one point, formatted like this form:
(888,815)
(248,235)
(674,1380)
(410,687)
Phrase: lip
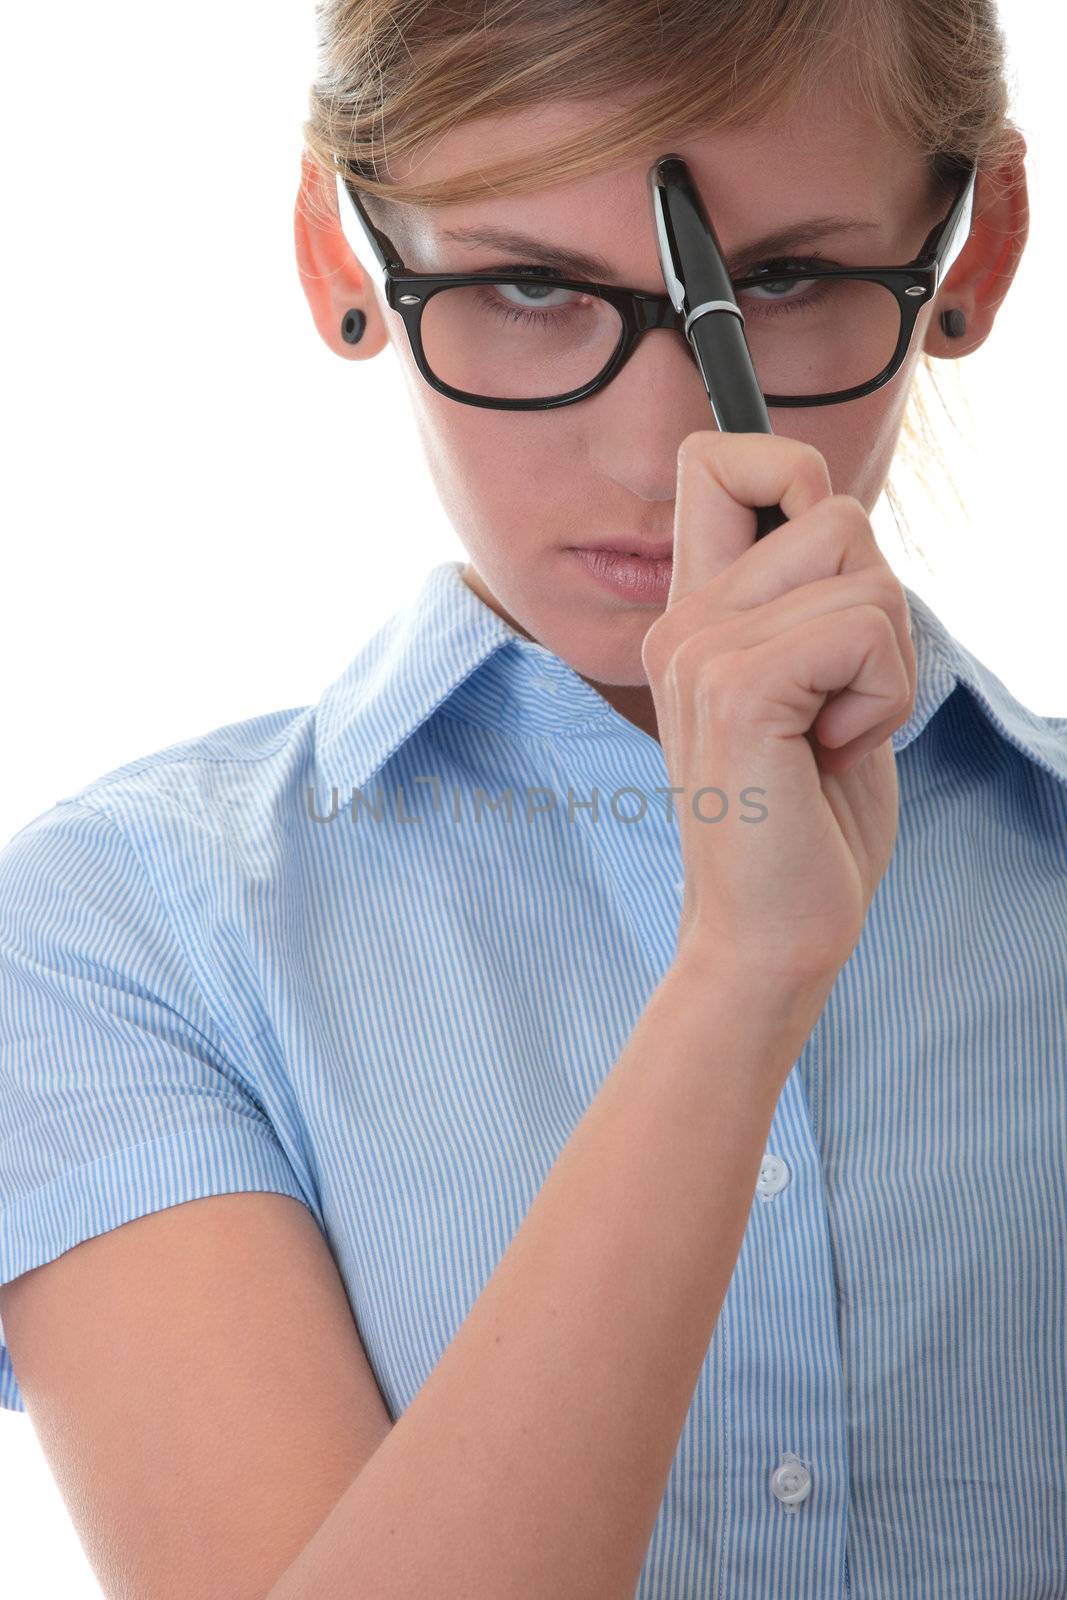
(650,552)
(632,578)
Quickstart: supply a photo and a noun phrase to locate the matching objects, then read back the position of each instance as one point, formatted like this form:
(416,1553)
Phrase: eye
(535,293)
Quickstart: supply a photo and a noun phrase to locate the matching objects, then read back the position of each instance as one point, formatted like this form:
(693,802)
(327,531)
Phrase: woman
(637,1197)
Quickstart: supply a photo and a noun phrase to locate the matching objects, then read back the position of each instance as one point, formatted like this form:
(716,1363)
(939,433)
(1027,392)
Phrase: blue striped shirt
(312,952)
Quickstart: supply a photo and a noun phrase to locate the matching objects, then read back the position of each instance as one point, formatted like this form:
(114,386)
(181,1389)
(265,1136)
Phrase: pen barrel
(698,278)
(768,518)
(718,341)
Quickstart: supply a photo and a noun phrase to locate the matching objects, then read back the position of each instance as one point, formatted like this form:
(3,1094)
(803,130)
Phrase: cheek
(453,439)
(480,458)
(856,439)
(492,482)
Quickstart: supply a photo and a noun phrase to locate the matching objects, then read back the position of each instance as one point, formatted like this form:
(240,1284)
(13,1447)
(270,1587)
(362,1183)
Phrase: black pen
(700,289)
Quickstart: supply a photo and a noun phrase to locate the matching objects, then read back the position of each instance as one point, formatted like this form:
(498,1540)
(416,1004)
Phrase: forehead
(805,159)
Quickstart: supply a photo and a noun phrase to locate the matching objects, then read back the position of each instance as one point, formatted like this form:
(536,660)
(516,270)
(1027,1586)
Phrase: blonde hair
(394,75)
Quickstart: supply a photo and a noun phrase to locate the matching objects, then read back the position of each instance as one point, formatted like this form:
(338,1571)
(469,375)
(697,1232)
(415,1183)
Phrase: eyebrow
(580,264)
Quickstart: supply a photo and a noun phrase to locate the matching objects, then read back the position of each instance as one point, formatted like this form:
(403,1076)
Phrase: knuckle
(655,650)
(874,621)
(694,447)
(806,470)
(849,512)
(894,600)
(888,591)
(698,674)
(724,688)
(845,525)
(686,658)
(811,467)
(807,462)
(668,651)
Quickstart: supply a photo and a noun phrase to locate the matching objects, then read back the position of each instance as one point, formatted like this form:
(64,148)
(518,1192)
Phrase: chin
(619,665)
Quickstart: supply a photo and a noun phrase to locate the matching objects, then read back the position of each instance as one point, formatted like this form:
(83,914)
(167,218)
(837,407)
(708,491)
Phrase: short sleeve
(118,1093)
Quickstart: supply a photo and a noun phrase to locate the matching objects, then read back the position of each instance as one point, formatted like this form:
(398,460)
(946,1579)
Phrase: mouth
(633,576)
(651,552)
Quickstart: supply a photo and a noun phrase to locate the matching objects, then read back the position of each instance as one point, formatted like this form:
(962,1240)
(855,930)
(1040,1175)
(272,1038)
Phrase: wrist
(778,994)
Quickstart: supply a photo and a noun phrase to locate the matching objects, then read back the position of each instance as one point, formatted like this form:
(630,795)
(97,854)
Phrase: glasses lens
(502,340)
(810,336)
(518,341)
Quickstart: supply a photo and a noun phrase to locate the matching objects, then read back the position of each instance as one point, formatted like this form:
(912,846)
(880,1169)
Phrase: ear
(333,280)
(983,271)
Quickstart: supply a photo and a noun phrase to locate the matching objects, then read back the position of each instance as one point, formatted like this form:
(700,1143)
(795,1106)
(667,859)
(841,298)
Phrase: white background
(190,470)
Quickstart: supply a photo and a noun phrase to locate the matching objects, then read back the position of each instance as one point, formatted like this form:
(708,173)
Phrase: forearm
(534,1459)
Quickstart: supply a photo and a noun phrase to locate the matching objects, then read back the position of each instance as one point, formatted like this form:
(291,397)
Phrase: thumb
(722,477)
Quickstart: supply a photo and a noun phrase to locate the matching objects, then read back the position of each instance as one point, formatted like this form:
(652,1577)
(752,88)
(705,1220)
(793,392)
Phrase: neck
(632,702)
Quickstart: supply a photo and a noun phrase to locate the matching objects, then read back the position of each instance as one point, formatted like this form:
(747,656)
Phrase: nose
(639,420)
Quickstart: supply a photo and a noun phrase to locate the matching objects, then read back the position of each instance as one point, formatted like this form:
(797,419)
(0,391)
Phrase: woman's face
(523,488)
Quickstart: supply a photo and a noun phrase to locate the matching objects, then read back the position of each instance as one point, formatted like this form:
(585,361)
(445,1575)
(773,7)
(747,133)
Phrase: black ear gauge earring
(352,326)
(953,323)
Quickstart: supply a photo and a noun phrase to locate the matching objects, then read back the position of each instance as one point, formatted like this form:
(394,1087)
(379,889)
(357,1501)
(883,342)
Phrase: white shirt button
(790,1481)
(774,1174)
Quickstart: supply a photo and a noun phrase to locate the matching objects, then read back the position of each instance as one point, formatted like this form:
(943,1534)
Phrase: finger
(874,584)
(789,678)
(721,478)
(833,536)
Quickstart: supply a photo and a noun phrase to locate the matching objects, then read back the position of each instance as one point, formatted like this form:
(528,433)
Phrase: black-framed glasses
(532,340)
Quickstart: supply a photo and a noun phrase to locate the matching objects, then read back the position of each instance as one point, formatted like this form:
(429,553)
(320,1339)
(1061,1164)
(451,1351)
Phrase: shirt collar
(425,652)
(942,663)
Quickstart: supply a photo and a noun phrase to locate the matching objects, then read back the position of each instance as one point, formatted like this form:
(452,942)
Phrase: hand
(783,669)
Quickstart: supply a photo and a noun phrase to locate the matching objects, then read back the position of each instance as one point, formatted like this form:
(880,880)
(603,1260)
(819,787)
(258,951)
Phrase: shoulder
(151,862)
(200,800)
